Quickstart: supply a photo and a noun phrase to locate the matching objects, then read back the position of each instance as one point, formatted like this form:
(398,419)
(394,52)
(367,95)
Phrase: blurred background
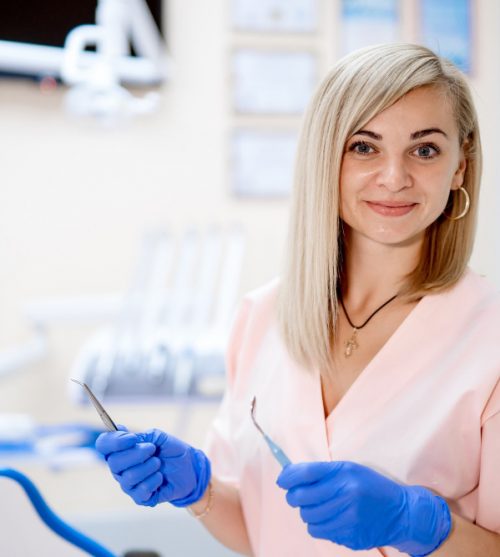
(147,155)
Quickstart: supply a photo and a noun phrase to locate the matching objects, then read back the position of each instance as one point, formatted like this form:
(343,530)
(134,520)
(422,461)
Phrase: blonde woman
(375,359)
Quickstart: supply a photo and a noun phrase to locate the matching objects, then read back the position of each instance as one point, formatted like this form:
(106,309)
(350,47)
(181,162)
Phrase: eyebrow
(415,135)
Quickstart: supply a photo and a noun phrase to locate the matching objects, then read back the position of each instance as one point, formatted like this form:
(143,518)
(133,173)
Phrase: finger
(334,530)
(142,493)
(170,445)
(122,460)
(316,493)
(136,474)
(332,510)
(113,441)
(322,531)
(305,473)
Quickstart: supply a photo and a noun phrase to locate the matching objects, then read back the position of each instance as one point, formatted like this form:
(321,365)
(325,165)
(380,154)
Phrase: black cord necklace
(352,343)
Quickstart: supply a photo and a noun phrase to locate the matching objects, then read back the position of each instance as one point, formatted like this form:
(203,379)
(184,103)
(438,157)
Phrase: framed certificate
(367,22)
(262,162)
(272,81)
(446,28)
(290,16)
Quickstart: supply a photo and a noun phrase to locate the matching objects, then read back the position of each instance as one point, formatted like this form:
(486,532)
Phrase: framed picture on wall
(446,27)
(287,16)
(367,22)
(270,82)
(262,162)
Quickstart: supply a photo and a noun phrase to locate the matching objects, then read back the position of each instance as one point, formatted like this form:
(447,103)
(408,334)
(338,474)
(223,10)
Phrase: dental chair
(168,339)
(29,528)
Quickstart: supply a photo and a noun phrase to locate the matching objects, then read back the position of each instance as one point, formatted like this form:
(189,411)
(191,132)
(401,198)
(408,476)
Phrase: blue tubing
(52,520)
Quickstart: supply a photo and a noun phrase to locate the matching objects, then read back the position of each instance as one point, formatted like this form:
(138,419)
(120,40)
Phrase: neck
(375,272)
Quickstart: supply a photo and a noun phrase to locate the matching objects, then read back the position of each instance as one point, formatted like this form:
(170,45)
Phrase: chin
(398,238)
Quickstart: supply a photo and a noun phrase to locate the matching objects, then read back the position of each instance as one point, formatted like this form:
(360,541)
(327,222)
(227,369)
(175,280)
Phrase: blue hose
(52,520)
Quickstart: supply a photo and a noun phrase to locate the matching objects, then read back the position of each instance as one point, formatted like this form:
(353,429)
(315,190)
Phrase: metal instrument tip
(252,414)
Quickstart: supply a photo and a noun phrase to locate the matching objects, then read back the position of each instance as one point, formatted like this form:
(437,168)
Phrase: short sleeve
(219,444)
(488,507)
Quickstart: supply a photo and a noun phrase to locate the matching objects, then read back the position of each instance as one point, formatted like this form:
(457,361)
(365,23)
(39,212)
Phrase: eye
(361,148)
(427,151)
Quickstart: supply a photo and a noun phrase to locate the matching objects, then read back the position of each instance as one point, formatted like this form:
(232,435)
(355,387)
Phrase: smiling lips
(391,208)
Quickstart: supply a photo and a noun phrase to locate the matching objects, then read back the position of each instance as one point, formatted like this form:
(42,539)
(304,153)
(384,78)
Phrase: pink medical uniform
(425,411)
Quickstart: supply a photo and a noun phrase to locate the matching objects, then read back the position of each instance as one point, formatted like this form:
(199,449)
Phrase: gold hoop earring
(466,208)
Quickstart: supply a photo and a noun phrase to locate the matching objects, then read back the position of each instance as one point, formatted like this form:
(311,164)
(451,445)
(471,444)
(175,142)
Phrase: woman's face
(398,170)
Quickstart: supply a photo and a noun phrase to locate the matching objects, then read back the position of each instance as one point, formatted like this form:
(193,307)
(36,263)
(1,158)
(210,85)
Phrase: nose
(394,174)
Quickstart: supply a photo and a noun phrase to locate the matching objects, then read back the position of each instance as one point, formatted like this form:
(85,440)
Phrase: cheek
(441,187)
(351,182)
(356,174)
(347,203)
(445,195)
(343,194)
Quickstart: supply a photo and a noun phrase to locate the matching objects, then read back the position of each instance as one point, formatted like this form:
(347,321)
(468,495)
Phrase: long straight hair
(359,87)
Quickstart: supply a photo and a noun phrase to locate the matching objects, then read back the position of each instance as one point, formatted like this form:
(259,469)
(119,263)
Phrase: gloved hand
(352,505)
(154,467)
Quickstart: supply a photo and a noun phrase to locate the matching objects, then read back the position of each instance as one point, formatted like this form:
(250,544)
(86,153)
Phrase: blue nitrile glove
(154,467)
(352,505)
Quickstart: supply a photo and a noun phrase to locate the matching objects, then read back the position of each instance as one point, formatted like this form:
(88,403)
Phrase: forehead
(425,107)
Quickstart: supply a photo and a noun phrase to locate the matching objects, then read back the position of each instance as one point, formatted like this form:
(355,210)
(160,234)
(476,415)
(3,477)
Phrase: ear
(458,177)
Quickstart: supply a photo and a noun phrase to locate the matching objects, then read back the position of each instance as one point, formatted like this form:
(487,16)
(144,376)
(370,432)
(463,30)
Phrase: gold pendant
(351,344)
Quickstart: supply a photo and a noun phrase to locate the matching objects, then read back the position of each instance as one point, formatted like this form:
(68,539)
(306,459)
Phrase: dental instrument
(278,453)
(105,417)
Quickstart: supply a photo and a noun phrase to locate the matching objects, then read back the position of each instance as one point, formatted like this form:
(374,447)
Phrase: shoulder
(480,299)
(479,283)
(260,303)
(266,293)
(256,310)
(472,294)
(251,323)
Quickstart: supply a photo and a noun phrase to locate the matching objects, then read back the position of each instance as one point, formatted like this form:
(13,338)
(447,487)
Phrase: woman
(375,361)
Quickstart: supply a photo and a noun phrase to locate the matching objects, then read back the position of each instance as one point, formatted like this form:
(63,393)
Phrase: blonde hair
(359,87)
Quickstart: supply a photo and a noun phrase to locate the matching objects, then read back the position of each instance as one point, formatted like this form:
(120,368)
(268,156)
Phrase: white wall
(486,86)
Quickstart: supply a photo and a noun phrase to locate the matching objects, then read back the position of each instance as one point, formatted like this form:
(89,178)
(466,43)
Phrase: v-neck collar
(341,422)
